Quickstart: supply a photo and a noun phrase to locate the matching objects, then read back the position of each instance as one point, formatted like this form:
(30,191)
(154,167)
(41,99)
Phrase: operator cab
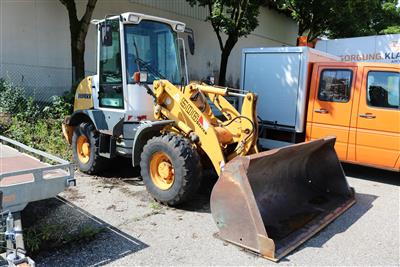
(130,43)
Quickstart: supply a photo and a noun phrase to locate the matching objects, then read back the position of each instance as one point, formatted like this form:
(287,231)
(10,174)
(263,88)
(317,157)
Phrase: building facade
(35,40)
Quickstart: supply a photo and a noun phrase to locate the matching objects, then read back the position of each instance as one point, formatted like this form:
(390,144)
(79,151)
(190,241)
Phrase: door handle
(367,116)
(321,111)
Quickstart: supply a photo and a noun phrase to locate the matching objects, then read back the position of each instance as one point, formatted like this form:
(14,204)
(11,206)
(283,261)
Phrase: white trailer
(26,176)
(377,48)
(279,76)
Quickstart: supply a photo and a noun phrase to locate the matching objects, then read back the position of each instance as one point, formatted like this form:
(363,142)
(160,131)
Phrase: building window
(335,85)
(383,89)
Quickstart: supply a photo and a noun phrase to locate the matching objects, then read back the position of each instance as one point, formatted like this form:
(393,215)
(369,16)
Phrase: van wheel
(85,149)
(171,169)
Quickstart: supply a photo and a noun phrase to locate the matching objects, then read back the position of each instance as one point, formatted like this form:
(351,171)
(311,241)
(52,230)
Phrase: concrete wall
(35,51)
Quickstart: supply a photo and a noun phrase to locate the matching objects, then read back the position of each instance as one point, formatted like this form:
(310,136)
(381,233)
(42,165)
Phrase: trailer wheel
(85,149)
(171,169)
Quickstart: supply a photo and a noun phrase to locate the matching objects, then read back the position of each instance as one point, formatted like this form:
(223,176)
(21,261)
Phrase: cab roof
(136,18)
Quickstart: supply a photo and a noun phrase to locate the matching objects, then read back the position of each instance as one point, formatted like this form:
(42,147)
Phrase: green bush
(12,98)
(23,120)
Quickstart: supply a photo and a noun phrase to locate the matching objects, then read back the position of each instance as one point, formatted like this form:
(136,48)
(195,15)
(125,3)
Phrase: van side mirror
(106,35)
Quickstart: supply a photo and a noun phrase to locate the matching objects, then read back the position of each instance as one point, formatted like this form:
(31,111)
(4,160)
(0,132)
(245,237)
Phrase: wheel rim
(83,149)
(162,171)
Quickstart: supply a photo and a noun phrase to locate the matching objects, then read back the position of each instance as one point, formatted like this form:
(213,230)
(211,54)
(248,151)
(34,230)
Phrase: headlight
(180,27)
(133,18)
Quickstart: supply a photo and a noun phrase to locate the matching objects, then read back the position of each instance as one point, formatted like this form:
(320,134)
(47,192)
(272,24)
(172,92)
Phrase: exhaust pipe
(272,202)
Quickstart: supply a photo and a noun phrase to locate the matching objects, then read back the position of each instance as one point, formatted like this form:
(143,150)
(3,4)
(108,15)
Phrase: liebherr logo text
(192,113)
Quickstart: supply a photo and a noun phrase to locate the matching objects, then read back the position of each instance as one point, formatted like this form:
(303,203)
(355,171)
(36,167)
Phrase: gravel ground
(139,231)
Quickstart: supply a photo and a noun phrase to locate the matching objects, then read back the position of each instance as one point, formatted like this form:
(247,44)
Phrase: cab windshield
(152,47)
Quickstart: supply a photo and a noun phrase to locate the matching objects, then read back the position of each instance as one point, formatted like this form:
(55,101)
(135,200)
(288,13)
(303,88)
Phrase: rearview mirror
(106,35)
(190,39)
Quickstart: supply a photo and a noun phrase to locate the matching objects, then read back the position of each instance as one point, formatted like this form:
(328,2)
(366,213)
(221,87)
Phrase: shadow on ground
(371,174)
(341,224)
(121,168)
(105,247)
(200,202)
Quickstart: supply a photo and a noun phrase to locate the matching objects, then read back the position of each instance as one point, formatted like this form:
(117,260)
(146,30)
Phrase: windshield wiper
(148,89)
(150,68)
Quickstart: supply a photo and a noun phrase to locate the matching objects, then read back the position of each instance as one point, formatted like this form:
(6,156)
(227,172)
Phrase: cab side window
(383,89)
(335,85)
(110,91)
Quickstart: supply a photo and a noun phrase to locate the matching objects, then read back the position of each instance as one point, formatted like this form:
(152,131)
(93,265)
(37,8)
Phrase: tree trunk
(78,31)
(222,68)
(226,51)
(77,59)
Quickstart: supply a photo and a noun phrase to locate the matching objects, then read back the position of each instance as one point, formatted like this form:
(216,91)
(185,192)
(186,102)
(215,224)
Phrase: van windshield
(154,44)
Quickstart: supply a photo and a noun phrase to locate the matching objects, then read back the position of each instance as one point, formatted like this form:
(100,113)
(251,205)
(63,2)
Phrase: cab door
(378,122)
(111,93)
(330,112)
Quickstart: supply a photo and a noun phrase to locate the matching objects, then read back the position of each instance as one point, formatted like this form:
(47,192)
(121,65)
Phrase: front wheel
(171,169)
(85,149)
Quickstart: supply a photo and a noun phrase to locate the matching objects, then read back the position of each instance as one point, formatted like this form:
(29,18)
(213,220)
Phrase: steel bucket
(272,202)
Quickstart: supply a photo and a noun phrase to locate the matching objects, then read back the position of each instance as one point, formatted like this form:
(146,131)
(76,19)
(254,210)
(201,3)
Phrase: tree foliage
(353,18)
(312,16)
(364,17)
(235,19)
(339,19)
(78,31)
(390,17)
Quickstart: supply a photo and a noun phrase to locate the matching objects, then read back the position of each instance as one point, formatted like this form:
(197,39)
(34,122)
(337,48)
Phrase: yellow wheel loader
(139,105)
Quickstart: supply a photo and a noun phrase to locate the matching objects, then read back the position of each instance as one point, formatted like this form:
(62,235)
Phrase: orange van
(359,104)
(305,94)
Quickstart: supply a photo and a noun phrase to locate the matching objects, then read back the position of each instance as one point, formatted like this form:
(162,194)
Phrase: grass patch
(155,206)
(46,237)
(50,224)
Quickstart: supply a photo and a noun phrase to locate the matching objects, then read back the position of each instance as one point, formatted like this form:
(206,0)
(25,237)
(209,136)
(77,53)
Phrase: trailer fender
(144,132)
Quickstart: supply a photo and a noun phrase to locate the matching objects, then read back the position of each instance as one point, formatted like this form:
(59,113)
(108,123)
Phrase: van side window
(383,89)
(335,85)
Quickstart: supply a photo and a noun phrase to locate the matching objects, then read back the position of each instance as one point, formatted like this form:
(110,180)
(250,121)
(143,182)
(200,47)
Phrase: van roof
(363,64)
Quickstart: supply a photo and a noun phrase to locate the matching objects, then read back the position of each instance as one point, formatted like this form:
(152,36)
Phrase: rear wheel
(171,169)
(85,149)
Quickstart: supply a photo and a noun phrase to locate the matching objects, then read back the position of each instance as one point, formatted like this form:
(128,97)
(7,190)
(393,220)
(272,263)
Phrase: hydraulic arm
(222,137)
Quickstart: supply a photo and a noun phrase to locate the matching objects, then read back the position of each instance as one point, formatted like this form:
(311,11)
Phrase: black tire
(96,163)
(186,164)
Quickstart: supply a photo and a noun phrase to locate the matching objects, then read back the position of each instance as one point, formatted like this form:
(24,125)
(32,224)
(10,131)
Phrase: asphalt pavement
(139,231)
